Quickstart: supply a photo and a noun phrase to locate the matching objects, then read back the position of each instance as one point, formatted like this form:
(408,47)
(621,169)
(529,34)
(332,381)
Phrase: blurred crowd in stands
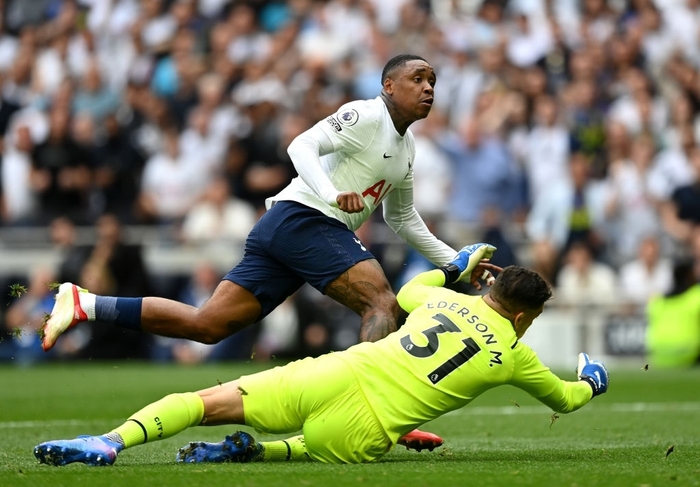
(565,132)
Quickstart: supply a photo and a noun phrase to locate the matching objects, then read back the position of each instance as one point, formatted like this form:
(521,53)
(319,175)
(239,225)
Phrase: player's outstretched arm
(562,396)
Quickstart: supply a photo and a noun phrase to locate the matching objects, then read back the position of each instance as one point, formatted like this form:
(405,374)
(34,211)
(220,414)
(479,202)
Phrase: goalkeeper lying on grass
(353,406)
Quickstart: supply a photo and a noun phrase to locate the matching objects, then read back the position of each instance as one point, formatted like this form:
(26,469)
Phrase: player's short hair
(519,289)
(398,62)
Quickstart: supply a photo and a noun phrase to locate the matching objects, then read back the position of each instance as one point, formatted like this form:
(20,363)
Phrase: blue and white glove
(593,372)
(461,267)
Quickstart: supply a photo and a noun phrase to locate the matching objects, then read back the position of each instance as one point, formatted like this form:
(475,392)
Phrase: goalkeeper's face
(524,319)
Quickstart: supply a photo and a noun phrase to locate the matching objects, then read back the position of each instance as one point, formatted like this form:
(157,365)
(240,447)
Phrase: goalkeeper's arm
(562,396)
(416,291)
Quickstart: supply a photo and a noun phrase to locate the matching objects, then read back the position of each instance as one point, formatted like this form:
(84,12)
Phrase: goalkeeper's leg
(161,419)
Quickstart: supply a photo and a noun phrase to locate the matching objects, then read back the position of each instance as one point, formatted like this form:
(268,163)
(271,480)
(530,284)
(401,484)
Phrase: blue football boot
(90,450)
(239,447)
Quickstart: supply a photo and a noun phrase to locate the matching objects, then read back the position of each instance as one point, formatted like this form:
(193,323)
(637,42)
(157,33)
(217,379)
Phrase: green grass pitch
(504,438)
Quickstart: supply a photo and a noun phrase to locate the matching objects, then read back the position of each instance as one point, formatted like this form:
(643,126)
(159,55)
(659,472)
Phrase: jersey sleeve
(352,128)
(419,289)
(532,376)
(403,218)
(305,151)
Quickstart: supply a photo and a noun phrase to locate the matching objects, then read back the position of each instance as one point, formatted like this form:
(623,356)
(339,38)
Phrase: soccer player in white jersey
(352,406)
(348,164)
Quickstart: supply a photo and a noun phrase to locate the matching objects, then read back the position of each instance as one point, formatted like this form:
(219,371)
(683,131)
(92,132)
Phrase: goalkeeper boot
(90,450)
(239,447)
(66,313)
(419,440)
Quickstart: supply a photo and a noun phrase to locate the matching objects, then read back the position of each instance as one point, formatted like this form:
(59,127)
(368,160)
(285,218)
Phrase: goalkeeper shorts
(321,397)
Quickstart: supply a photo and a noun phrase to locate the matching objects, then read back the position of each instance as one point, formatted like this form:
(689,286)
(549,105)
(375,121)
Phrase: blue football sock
(123,312)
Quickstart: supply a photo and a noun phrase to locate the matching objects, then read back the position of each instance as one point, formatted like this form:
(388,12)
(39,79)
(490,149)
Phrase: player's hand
(593,372)
(484,272)
(350,202)
(469,257)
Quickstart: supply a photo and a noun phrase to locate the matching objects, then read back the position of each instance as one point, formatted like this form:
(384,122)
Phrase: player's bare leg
(230,309)
(365,289)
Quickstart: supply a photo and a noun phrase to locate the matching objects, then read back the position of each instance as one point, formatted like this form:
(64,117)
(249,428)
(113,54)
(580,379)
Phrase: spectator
(124,260)
(19,203)
(93,96)
(167,185)
(546,153)
(247,41)
(199,143)
(175,76)
(638,109)
(463,80)
(672,167)
(682,115)
(529,41)
(61,174)
(649,275)
(585,117)
(219,218)
(566,213)
(118,165)
(583,281)
(631,210)
(265,165)
(157,26)
(16,91)
(226,120)
(682,211)
(483,173)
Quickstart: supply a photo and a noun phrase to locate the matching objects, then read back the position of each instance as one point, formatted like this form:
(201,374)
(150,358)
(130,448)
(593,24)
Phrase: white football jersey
(370,158)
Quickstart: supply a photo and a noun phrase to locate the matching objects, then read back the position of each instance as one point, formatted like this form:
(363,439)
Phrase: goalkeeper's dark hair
(398,62)
(519,289)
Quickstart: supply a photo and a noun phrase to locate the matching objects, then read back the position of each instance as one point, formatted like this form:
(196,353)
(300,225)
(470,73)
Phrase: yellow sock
(284,450)
(162,419)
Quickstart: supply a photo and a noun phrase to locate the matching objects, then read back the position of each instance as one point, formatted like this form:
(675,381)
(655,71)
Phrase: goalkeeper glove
(461,267)
(592,372)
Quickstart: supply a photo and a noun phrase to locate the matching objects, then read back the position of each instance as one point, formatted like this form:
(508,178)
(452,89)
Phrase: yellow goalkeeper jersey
(452,348)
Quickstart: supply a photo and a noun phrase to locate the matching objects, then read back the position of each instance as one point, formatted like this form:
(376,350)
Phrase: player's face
(413,89)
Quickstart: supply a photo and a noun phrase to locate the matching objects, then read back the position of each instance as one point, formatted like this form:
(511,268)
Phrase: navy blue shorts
(292,244)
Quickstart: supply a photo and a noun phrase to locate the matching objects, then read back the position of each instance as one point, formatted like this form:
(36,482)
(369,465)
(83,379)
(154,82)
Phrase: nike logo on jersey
(360,244)
(385,156)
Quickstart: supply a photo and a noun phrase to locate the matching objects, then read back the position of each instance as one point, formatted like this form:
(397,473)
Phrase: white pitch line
(632,407)
(49,423)
(622,407)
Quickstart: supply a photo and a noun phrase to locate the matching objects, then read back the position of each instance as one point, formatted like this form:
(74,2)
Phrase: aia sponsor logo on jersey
(377,191)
